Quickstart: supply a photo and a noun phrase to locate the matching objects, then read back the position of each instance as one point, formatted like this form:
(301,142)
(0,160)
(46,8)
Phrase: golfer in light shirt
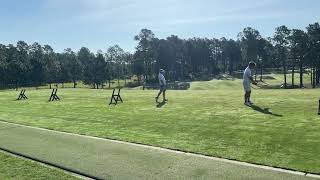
(247,80)
(162,83)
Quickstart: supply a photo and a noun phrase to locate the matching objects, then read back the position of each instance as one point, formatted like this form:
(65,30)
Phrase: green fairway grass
(279,79)
(282,130)
(16,168)
(105,159)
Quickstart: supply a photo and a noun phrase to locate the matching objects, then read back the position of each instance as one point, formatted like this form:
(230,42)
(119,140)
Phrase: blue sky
(98,24)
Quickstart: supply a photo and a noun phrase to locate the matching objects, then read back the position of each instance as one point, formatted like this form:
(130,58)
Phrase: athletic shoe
(250,102)
(247,104)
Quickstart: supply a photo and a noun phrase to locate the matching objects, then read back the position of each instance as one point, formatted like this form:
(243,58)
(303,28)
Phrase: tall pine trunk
(292,80)
(318,69)
(301,74)
(314,77)
(311,77)
(317,75)
(261,72)
(255,75)
(285,74)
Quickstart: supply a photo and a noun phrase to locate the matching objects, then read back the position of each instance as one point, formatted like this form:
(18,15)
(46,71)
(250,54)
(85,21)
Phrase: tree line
(35,65)
(288,50)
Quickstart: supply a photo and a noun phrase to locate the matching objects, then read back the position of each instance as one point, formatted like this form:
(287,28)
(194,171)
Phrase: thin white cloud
(173,12)
(169,15)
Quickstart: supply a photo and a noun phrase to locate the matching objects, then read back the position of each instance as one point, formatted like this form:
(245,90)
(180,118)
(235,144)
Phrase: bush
(152,81)
(133,84)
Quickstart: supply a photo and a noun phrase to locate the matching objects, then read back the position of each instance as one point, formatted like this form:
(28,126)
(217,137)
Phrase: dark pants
(163,88)
(163,92)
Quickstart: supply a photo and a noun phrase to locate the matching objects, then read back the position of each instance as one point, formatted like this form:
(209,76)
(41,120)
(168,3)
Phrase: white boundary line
(177,152)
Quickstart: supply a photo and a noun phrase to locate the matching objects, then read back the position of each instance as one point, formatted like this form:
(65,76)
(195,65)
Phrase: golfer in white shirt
(162,83)
(247,80)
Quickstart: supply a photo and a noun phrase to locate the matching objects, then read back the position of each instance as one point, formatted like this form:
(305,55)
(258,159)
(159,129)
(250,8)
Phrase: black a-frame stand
(115,97)
(319,108)
(54,96)
(22,95)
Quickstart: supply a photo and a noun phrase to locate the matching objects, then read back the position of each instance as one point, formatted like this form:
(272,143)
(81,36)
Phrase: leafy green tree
(22,61)
(126,65)
(51,65)
(265,54)
(3,63)
(313,31)
(182,58)
(216,49)
(99,67)
(14,68)
(249,39)
(165,57)
(233,55)
(109,69)
(199,53)
(281,40)
(298,48)
(138,68)
(64,71)
(74,66)
(145,51)
(37,64)
(87,60)
(116,56)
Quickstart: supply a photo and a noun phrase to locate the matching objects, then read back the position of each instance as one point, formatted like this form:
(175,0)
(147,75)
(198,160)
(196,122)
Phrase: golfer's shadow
(161,104)
(264,111)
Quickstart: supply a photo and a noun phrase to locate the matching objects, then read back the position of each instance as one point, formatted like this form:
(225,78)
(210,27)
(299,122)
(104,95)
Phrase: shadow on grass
(161,104)
(264,110)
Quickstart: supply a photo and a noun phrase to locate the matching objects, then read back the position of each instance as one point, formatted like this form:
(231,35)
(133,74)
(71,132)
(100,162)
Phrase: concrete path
(107,159)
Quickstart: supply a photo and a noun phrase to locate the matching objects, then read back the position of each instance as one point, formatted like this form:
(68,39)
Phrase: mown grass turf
(279,79)
(281,130)
(15,168)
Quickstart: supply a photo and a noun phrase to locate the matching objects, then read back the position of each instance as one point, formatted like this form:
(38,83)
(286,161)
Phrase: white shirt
(162,80)
(247,76)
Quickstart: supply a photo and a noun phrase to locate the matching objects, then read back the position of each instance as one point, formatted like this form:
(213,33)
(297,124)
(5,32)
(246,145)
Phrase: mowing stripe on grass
(47,163)
(23,157)
(109,159)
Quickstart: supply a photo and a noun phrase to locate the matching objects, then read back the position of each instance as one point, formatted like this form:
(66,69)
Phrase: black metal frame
(319,108)
(22,95)
(115,97)
(54,96)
